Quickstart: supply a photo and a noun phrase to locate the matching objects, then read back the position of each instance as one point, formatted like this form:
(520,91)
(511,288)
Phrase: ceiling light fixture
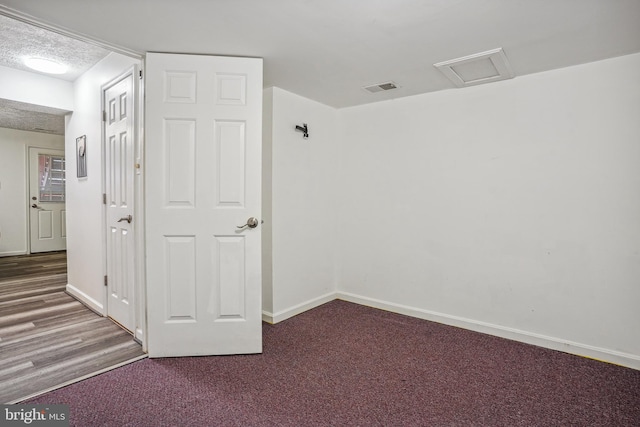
(45,65)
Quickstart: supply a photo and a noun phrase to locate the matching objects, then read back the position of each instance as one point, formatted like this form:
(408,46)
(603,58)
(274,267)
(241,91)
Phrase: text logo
(35,415)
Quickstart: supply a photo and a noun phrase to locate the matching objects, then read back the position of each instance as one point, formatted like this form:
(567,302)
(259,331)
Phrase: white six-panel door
(203,180)
(119,190)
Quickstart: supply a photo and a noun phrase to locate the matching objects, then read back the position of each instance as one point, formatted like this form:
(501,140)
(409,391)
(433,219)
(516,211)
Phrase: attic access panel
(479,68)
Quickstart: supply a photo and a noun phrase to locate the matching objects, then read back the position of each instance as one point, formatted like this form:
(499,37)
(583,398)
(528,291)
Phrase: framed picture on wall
(81,156)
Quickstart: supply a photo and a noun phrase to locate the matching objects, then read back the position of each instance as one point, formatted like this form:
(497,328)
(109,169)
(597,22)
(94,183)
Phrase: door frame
(139,294)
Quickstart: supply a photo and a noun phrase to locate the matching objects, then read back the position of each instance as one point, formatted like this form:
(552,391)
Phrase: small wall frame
(81,155)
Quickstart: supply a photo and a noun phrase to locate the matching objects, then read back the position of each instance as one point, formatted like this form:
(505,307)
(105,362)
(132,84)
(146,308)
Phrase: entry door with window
(47,219)
(203,150)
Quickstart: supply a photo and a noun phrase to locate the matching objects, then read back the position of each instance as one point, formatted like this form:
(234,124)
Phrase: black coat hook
(304,129)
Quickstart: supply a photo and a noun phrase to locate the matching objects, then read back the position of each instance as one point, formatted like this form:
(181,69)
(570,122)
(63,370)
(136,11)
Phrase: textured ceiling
(19,40)
(34,118)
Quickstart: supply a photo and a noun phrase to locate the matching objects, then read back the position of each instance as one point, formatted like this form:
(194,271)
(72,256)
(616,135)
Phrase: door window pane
(51,178)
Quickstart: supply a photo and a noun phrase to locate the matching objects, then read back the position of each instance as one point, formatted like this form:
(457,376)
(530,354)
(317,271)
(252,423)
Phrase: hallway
(47,338)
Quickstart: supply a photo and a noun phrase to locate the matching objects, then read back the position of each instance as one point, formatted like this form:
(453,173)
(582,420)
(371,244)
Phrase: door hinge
(141,74)
(104,198)
(104,116)
(106,281)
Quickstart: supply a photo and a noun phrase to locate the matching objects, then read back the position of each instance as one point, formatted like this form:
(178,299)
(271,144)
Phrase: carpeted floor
(343,364)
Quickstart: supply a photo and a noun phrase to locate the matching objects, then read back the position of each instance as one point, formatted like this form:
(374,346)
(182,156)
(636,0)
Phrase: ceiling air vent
(380,87)
(484,67)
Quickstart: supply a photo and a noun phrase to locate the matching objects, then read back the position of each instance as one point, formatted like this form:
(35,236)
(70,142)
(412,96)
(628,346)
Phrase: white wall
(14,201)
(85,222)
(512,208)
(299,199)
(33,88)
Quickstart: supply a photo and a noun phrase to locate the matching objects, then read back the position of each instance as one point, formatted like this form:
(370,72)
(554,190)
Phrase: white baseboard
(12,253)
(584,350)
(297,309)
(138,335)
(86,299)
(267,316)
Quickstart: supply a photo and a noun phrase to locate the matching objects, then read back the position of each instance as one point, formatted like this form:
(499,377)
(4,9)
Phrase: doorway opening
(64,107)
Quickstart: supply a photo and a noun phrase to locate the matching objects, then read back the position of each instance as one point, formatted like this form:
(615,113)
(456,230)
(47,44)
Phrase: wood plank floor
(37,265)
(47,338)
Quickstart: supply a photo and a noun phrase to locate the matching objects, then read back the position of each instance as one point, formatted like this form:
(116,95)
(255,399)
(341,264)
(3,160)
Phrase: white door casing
(119,139)
(203,179)
(47,214)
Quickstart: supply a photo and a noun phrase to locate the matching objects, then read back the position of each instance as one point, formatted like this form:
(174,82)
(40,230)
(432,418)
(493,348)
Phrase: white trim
(32,20)
(267,316)
(553,343)
(274,318)
(13,253)
(85,299)
(139,190)
(584,350)
(138,335)
(27,189)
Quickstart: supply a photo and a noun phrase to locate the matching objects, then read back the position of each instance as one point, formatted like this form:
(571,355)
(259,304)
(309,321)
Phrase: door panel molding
(204,156)
(120,137)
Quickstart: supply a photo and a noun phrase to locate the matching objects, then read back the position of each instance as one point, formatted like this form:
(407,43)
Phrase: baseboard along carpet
(343,364)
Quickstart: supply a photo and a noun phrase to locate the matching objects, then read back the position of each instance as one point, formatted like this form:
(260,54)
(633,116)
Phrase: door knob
(251,223)
(36,206)
(127,218)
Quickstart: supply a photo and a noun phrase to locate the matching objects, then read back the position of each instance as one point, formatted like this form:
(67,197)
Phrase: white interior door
(47,218)
(203,177)
(119,140)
